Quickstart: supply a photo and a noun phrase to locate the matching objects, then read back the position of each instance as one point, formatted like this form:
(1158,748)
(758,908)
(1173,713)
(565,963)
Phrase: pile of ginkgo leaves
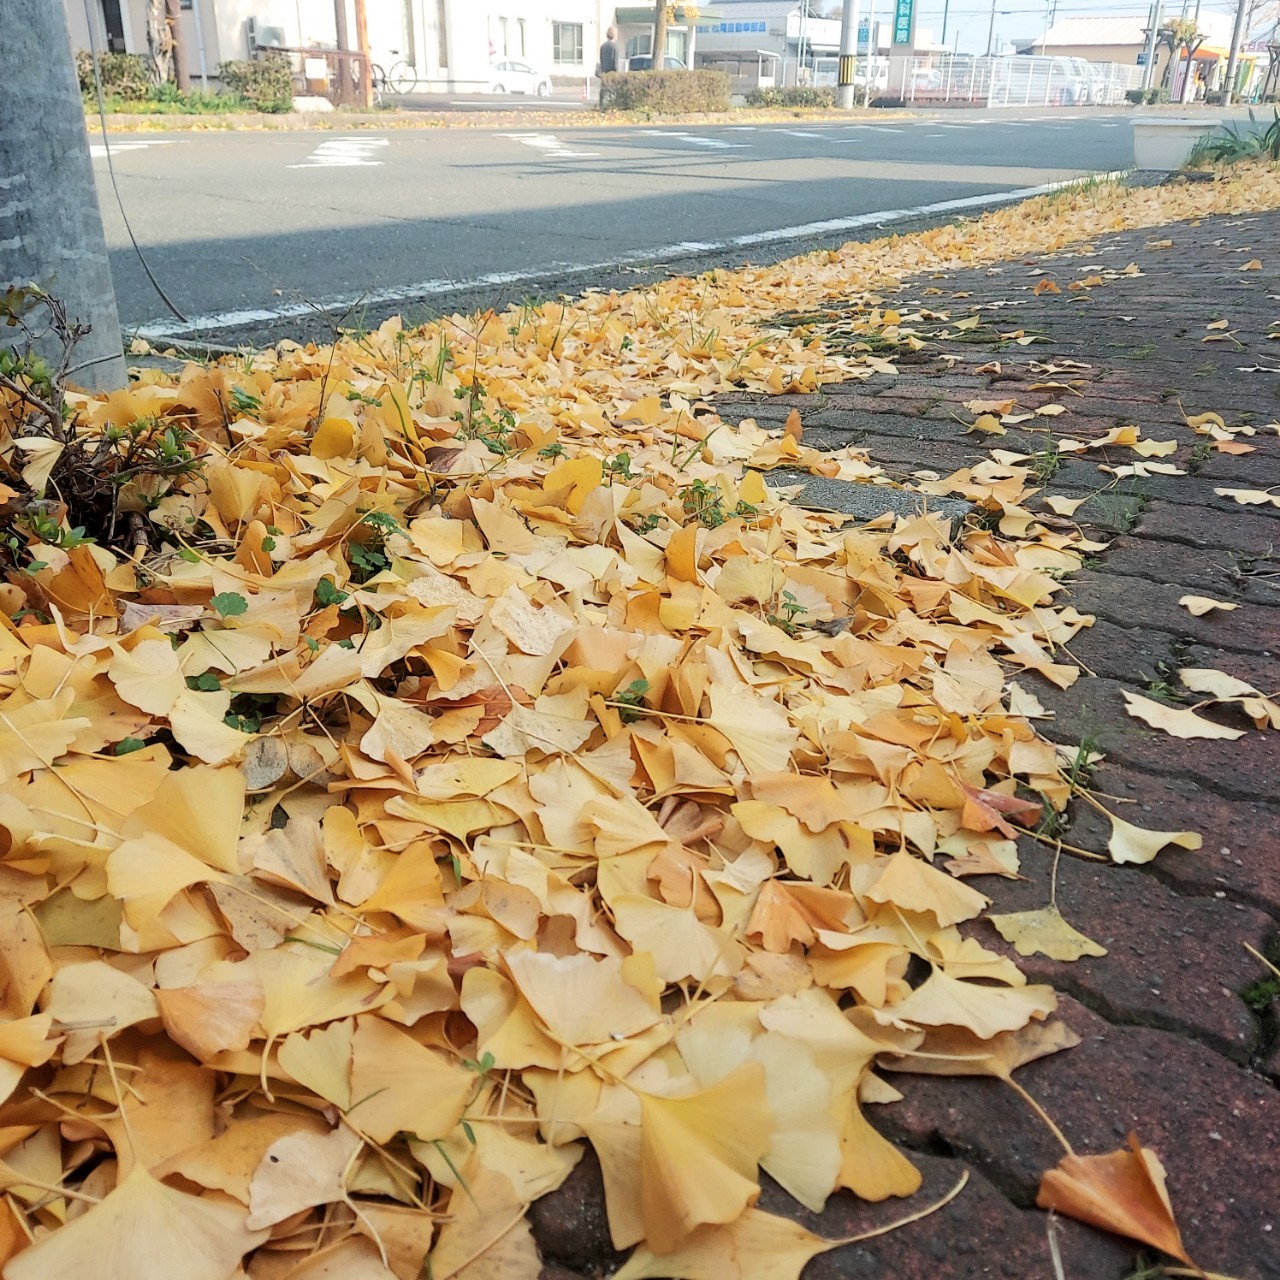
(477,757)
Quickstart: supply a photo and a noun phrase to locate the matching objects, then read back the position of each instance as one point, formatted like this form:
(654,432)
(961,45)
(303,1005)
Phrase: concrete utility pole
(366,67)
(1149,66)
(181,73)
(343,41)
(872,51)
(50,226)
(1233,61)
(848,64)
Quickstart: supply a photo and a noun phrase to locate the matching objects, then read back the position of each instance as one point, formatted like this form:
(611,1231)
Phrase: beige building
(449,43)
(1124,41)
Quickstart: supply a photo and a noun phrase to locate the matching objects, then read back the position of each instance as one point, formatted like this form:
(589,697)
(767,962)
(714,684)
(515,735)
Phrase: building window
(566,38)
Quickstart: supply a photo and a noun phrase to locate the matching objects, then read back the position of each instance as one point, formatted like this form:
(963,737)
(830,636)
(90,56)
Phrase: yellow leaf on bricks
(1198,606)
(1122,1192)
(698,1155)
(1182,723)
(1138,845)
(1044,933)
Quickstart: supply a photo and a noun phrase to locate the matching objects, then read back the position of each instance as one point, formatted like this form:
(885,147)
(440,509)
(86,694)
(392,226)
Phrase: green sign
(902,24)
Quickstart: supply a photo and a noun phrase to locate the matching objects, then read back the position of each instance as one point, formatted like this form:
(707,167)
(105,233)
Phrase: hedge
(670,91)
(795,96)
(265,84)
(124,75)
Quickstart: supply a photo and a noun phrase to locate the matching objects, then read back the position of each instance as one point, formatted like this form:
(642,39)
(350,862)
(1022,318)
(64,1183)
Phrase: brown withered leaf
(1122,1192)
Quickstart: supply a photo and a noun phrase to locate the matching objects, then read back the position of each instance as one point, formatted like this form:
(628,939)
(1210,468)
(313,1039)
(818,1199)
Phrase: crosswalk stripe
(99,150)
(549,145)
(343,153)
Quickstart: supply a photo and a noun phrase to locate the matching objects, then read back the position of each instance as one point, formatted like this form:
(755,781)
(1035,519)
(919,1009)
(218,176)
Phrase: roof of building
(1071,32)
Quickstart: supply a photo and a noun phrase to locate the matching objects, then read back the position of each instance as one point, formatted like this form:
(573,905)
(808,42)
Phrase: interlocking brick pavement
(1170,1049)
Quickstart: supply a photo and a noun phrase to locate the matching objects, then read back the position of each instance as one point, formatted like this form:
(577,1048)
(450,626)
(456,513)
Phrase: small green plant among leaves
(75,481)
(367,546)
(788,610)
(705,504)
(476,422)
(629,700)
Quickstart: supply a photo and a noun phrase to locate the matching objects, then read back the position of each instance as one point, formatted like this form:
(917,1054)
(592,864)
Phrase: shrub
(1235,143)
(265,84)
(124,75)
(1135,96)
(796,96)
(665,91)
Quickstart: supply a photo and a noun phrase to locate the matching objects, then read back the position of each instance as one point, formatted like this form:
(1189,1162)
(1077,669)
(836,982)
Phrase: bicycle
(400,79)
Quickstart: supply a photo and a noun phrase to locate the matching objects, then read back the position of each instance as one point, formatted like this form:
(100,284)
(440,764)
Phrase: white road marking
(956,126)
(432,288)
(802,133)
(343,153)
(98,150)
(697,140)
(549,145)
(876,128)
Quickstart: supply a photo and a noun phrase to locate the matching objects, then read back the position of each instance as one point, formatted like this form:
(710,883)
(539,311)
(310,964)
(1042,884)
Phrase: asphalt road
(252,235)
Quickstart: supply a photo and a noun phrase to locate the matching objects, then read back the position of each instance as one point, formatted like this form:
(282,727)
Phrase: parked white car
(513,76)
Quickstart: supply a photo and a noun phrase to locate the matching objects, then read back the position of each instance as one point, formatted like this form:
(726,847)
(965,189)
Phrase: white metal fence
(1009,82)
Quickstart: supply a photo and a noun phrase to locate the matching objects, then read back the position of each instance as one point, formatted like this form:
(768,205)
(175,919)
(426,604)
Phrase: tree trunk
(660,36)
(159,44)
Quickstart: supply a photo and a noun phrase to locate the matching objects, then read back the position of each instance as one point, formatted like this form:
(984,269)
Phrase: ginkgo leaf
(213,1017)
(299,1171)
(143,1230)
(581,1000)
(1217,683)
(1122,1192)
(911,883)
(698,1155)
(944,1001)
(486,1235)
(1198,606)
(755,1246)
(1138,845)
(93,999)
(401,1086)
(1250,497)
(1181,723)
(1044,932)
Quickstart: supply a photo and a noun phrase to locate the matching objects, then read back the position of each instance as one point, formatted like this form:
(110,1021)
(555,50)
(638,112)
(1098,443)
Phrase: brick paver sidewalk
(1170,1047)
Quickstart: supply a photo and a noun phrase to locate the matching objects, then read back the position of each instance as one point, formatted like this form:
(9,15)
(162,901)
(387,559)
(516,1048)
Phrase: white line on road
(343,153)
(876,128)
(557,270)
(802,133)
(549,145)
(98,150)
(696,139)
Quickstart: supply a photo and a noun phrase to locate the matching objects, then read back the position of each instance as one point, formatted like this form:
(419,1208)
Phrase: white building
(450,43)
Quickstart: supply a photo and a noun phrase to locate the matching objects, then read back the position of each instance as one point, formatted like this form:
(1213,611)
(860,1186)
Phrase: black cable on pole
(111,169)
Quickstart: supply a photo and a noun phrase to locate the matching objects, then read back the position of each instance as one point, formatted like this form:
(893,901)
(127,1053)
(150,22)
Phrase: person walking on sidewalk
(610,54)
